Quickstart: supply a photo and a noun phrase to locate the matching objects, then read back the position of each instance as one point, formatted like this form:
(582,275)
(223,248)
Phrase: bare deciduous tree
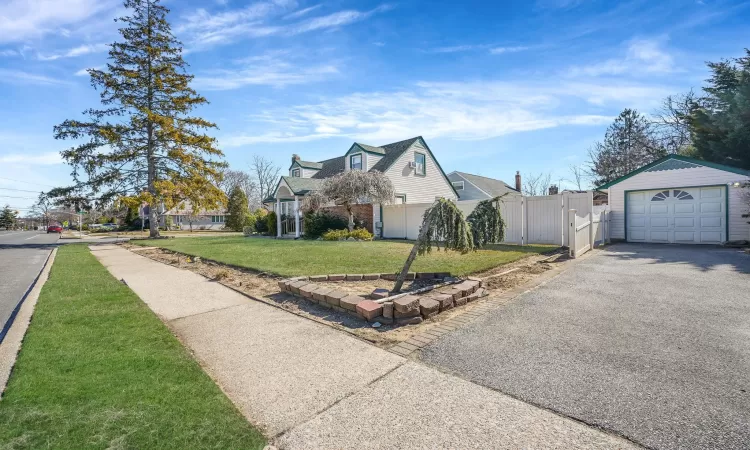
(242,179)
(579,175)
(265,175)
(537,184)
(670,122)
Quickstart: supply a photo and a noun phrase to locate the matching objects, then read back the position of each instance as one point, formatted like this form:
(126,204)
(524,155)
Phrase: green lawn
(99,370)
(291,258)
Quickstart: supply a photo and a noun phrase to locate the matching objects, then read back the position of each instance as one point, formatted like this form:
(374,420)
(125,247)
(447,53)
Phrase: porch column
(296,216)
(278,217)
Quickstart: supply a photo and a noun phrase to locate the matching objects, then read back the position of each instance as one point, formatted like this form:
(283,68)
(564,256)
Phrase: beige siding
(418,188)
(372,160)
(304,173)
(739,229)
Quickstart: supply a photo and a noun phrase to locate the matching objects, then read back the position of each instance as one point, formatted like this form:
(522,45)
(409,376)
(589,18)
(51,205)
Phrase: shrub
(335,235)
(260,224)
(250,220)
(248,231)
(361,234)
(317,223)
(270,222)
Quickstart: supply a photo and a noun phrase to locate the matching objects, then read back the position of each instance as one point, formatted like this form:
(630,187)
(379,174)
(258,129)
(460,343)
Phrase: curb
(24,311)
(13,313)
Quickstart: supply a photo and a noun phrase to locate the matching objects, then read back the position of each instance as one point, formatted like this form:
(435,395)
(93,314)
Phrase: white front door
(681,216)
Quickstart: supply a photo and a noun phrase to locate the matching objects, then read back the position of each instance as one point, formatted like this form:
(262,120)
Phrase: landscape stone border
(404,310)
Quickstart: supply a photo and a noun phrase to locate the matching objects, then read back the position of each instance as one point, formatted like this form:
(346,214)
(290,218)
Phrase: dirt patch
(264,287)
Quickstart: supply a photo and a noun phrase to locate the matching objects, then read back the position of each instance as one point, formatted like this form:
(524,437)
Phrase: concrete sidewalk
(310,386)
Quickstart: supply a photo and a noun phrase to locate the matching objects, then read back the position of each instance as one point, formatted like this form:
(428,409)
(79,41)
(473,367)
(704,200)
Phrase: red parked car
(54,229)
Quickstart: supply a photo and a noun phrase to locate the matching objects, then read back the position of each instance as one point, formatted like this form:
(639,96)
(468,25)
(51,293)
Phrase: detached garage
(679,200)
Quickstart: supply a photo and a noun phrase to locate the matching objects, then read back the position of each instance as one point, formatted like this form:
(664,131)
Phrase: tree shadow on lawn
(702,257)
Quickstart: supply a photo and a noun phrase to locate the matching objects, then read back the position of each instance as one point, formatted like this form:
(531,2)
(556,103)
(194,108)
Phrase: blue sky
(493,87)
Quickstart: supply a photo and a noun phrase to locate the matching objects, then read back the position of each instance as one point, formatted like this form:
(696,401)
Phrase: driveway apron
(651,342)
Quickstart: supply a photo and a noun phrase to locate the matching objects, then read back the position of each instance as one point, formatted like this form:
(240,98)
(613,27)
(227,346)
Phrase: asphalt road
(22,255)
(651,342)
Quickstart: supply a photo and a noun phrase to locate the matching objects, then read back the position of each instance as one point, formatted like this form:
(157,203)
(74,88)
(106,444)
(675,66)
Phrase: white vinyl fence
(529,220)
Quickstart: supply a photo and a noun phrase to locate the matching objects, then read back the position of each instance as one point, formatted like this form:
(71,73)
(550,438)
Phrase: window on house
(420,159)
(458,185)
(660,197)
(177,219)
(682,195)
(355,162)
(295,173)
(400,199)
(217,219)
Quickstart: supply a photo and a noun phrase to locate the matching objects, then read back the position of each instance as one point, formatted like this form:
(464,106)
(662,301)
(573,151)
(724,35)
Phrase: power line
(27,182)
(22,198)
(19,190)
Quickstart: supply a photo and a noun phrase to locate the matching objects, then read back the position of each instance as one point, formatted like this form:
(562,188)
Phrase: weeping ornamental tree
(443,224)
(143,146)
(487,224)
(351,188)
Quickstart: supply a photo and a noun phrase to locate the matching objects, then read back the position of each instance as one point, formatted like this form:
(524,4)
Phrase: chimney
(518,181)
(295,157)
(554,190)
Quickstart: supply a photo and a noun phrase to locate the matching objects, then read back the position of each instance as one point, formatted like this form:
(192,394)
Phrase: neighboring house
(183,217)
(679,200)
(476,187)
(410,165)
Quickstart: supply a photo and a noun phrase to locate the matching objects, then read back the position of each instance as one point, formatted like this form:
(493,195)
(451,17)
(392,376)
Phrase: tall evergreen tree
(7,218)
(628,144)
(720,123)
(143,146)
(238,209)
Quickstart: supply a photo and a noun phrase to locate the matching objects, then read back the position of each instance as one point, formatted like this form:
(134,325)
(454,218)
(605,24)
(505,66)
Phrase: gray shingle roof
(301,186)
(392,152)
(330,167)
(310,165)
(489,185)
(370,148)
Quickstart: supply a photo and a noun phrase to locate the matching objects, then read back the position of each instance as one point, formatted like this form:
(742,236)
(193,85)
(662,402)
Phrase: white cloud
(643,56)
(43,159)
(277,69)
(81,50)
(501,50)
(20,77)
(21,20)
(8,52)
(459,110)
(453,49)
(204,29)
(85,72)
(301,12)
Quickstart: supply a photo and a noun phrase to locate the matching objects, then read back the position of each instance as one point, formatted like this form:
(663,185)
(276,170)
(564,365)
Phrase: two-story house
(410,165)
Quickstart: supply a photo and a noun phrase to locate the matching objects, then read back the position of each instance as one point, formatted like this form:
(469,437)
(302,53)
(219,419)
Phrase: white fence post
(572,232)
(591,230)
(608,228)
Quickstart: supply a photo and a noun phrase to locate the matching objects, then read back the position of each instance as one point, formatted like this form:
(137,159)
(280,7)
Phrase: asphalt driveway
(648,341)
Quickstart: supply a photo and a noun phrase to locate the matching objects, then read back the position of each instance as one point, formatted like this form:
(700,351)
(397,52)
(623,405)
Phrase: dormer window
(296,173)
(355,161)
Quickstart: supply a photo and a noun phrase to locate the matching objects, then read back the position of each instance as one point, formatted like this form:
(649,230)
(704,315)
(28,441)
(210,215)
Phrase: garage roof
(675,162)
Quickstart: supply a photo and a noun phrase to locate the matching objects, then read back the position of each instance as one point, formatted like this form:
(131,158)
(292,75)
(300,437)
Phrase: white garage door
(682,216)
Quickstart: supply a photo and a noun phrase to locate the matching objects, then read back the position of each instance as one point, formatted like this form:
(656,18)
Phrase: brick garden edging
(404,309)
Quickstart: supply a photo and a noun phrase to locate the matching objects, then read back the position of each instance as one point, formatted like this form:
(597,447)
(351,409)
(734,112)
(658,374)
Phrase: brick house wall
(361,212)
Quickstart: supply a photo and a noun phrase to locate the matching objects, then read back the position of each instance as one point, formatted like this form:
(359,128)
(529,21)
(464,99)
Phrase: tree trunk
(410,259)
(153,224)
(351,217)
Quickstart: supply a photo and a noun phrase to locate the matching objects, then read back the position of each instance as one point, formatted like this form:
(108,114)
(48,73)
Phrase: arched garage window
(682,195)
(660,197)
